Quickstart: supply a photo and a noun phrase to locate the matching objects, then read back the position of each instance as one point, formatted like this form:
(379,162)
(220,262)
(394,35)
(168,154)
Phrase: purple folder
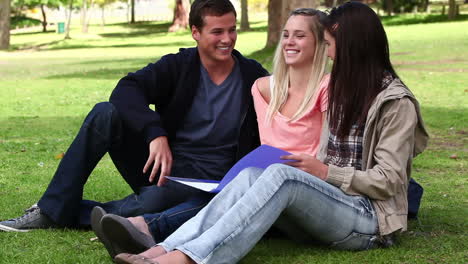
(261,157)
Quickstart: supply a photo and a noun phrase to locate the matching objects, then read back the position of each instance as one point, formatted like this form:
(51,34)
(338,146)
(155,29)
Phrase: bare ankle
(140,223)
(174,257)
(154,252)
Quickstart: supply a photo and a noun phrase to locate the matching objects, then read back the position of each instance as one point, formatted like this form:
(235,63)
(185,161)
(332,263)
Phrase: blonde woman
(291,104)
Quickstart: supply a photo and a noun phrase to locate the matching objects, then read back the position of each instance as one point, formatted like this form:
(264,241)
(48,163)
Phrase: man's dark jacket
(170,84)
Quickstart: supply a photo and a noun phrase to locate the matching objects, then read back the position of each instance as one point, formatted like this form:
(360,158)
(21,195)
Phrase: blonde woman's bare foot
(173,257)
(126,258)
(153,252)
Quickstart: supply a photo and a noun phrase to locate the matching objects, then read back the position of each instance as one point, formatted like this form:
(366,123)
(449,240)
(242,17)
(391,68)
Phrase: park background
(48,83)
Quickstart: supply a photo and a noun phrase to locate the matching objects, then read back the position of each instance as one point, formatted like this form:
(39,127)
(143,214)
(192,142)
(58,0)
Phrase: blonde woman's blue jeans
(305,207)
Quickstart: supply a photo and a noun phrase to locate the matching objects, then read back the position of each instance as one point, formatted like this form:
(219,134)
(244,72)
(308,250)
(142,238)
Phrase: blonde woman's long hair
(279,93)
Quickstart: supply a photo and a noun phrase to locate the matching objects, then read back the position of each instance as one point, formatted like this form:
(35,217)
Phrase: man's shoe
(124,237)
(32,219)
(96,216)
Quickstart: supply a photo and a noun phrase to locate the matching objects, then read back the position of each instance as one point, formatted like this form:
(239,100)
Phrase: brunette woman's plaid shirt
(347,152)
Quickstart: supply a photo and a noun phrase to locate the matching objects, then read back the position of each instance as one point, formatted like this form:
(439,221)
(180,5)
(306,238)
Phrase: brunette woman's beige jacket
(393,135)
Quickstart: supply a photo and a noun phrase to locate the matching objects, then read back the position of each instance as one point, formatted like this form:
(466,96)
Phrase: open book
(261,157)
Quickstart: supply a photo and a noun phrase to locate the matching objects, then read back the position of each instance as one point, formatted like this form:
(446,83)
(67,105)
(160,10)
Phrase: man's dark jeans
(103,131)
(162,224)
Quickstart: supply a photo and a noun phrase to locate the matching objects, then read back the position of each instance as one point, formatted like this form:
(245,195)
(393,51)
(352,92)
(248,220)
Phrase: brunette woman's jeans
(305,207)
(104,132)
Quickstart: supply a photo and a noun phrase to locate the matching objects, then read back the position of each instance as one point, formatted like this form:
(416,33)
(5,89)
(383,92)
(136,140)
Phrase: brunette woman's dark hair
(361,59)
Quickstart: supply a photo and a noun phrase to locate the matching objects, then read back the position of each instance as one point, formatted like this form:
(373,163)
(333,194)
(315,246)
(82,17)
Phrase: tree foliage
(35,3)
(20,5)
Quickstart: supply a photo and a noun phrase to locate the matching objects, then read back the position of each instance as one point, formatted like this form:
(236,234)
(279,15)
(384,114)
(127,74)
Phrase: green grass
(49,84)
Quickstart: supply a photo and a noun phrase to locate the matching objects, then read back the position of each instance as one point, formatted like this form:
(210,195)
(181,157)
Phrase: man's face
(217,38)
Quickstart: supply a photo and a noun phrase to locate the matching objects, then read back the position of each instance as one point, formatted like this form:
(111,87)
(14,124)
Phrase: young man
(204,122)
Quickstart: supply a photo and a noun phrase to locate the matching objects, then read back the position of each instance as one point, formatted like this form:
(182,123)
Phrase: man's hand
(308,164)
(160,156)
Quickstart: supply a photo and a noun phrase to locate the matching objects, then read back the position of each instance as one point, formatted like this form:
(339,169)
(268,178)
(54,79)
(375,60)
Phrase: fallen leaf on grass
(453,156)
(40,164)
(93,239)
(59,156)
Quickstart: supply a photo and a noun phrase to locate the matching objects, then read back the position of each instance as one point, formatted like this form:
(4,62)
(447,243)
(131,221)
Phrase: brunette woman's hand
(308,164)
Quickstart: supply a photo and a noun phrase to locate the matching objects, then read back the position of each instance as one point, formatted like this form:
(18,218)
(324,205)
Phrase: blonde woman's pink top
(299,136)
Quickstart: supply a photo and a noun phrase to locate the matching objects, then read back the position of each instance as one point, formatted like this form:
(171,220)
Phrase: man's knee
(103,108)
(102,112)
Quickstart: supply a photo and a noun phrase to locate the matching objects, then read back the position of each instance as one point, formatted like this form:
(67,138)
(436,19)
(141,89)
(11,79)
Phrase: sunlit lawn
(48,85)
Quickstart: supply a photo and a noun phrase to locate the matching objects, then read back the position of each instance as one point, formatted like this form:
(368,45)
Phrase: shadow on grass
(156,27)
(37,47)
(126,45)
(34,33)
(445,118)
(139,29)
(44,46)
(111,69)
(410,19)
(102,74)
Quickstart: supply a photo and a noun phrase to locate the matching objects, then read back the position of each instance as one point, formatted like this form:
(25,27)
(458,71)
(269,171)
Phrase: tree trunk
(452,11)
(425,6)
(103,21)
(132,11)
(4,24)
(44,19)
(275,22)
(84,15)
(278,12)
(389,7)
(88,16)
(70,11)
(245,25)
(181,14)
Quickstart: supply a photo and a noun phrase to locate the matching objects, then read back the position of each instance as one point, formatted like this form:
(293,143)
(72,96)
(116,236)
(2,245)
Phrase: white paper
(204,186)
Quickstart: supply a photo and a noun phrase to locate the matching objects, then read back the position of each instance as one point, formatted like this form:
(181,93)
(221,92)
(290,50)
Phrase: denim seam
(187,210)
(125,203)
(176,213)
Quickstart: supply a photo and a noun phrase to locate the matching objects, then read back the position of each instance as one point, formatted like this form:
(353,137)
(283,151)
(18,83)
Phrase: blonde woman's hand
(308,164)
